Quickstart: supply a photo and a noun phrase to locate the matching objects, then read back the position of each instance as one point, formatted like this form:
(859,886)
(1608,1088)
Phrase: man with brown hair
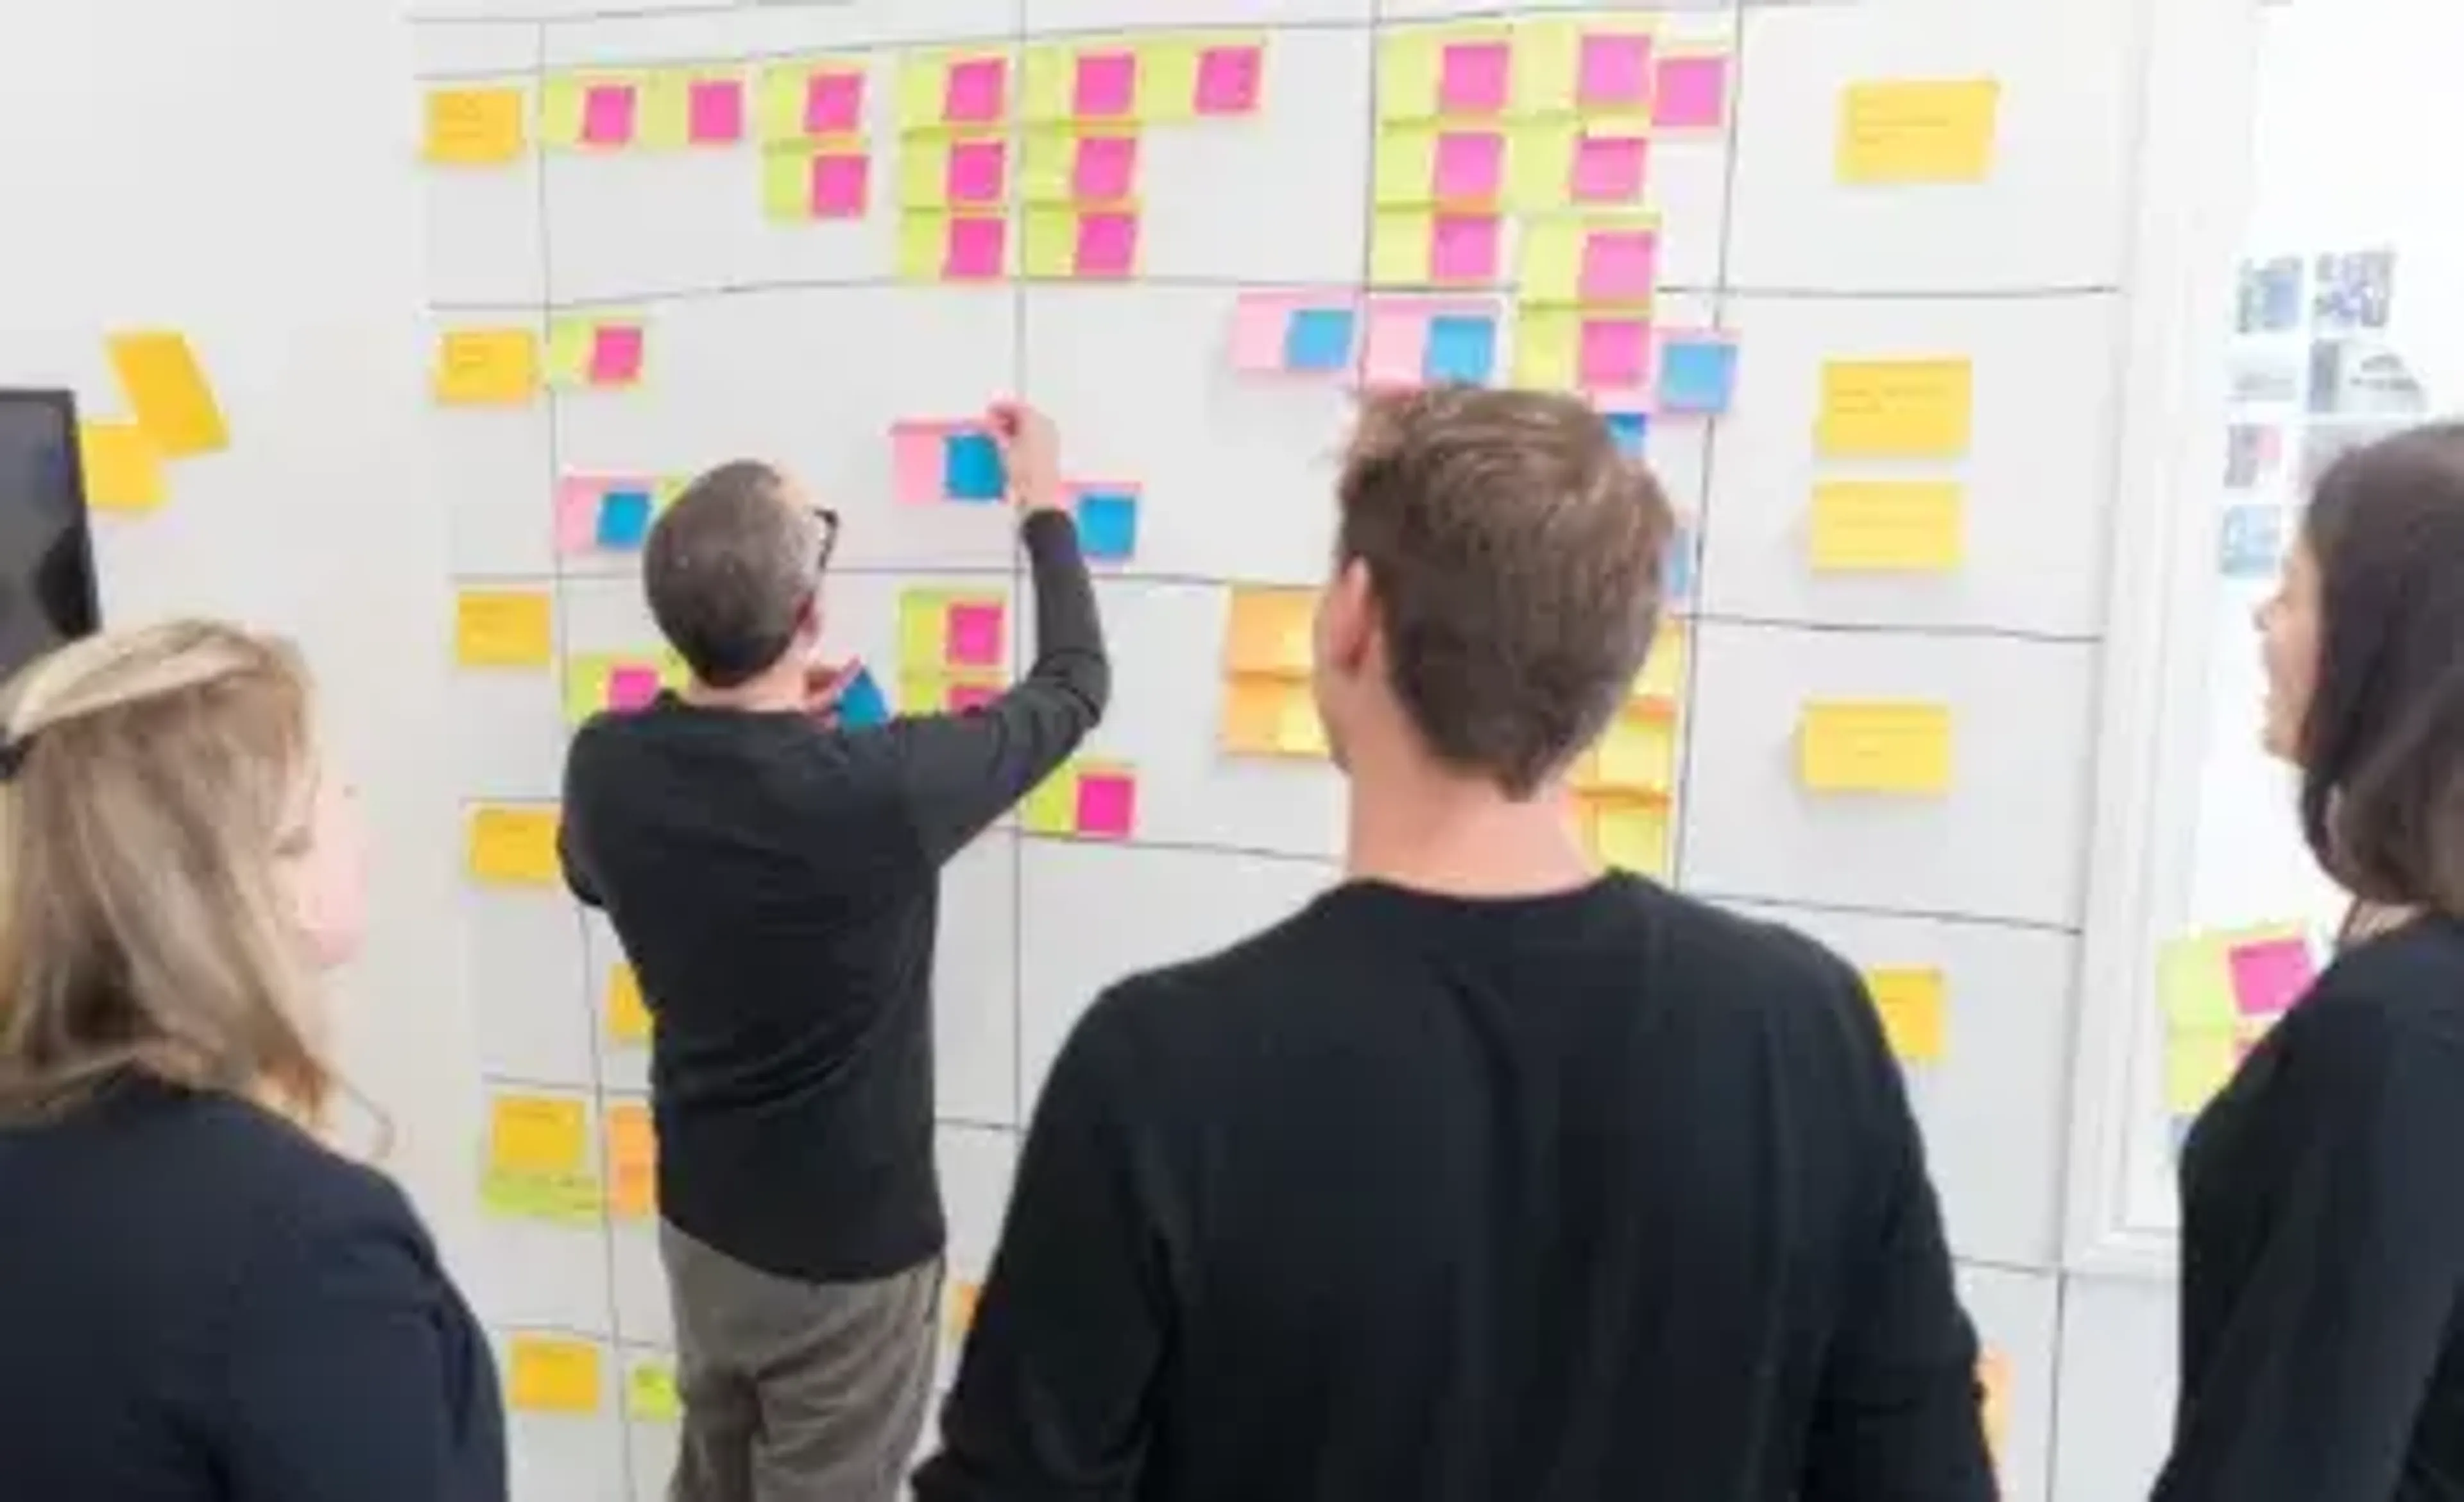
(1487,1176)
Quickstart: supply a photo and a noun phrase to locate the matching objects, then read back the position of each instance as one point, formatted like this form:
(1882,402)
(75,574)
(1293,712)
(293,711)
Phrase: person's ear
(1347,618)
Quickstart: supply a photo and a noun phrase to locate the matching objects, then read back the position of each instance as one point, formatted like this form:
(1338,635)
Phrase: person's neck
(1422,828)
(776,692)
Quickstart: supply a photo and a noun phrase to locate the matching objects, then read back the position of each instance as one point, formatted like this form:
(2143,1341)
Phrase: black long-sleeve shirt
(2322,1245)
(1558,1199)
(199,1304)
(776,886)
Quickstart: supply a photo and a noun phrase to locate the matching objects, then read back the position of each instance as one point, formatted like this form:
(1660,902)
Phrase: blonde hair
(161,775)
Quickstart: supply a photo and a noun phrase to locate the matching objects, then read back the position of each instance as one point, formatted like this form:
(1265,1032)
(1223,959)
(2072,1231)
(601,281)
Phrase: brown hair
(2382,744)
(1515,554)
(729,570)
(159,776)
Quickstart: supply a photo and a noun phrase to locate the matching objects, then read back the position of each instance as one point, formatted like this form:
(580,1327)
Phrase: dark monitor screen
(47,587)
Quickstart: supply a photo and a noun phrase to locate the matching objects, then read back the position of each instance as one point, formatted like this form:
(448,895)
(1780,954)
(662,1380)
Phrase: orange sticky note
(552,1374)
(1270,632)
(632,1162)
(963,1298)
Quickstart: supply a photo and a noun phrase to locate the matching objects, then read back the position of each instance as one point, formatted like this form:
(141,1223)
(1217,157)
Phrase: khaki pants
(793,1391)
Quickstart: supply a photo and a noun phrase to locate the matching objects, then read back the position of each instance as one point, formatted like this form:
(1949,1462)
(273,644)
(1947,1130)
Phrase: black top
(2322,1245)
(1599,1195)
(776,885)
(199,1304)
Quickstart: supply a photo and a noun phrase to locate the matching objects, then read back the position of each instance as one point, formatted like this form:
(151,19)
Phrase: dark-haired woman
(2322,1248)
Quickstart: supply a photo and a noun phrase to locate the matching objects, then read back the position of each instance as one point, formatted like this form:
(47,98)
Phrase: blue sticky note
(1460,349)
(971,467)
(1630,429)
(1318,340)
(1696,377)
(863,705)
(1108,524)
(624,517)
(1677,566)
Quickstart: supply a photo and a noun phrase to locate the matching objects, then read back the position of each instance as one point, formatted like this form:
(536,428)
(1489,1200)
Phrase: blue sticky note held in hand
(1629,429)
(971,467)
(1698,377)
(624,519)
(861,704)
(1108,526)
(1318,340)
(1461,349)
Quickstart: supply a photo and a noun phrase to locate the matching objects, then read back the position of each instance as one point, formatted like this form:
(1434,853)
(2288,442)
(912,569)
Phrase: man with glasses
(775,880)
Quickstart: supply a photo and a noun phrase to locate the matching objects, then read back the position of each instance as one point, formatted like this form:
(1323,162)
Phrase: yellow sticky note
(1549,265)
(628,1015)
(923,173)
(1875,747)
(475,126)
(663,109)
(1540,165)
(552,1374)
(1663,669)
(1406,164)
(651,1393)
(923,244)
(964,1299)
(1548,349)
(1632,836)
(1914,1007)
(585,686)
(632,1162)
(1637,755)
(2194,984)
(487,367)
(1993,1385)
(924,630)
(1047,84)
(1547,63)
(1053,807)
(1168,79)
(124,469)
(1937,131)
(1298,730)
(167,389)
(560,111)
(1047,166)
(512,846)
(2196,1066)
(1895,408)
(1399,248)
(538,1134)
(1887,526)
(1047,248)
(1270,632)
(504,628)
(923,84)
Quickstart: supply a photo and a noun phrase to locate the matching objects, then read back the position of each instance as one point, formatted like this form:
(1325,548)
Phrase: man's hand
(1030,453)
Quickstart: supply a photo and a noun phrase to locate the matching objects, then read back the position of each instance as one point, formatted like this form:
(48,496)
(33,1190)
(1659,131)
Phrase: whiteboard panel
(2052,213)
(2036,477)
(522,971)
(536,10)
(1991,1108)
(975,984)
(2014,1314)
(2004,843)
(522,754)
(1707,13)
(2116,1390)
(976,1165)
(661,32)
(531,1272)
(490,473)
(565,1457)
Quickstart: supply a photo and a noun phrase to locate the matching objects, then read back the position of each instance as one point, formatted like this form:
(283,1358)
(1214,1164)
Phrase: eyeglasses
(830,524)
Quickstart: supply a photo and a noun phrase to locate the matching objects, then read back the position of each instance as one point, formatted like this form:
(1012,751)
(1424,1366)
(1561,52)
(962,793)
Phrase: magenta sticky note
(1107,805)
(916,463)
(834,105)
(1396,353)
(976,92)
(964,697)
(1690,93)
(1472,78)
(1107,86)
(1470,165)
(1620,265)
(1108,244)
(2270,976)
(974,638)
(616,354)
(715,111)
(631,688)
(1229,79)
(1105,169)
(1614,72)
(1463,248)
(1608,170)
(577,512)
(607,114)
(975,248)
(978,172)
(1615,354)
(841,187)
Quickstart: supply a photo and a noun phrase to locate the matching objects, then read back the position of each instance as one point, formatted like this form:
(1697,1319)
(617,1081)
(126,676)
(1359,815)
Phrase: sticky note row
(594,350)
(1080,166)
(561,1375)
(1422,341)
(1107,513)
(1904,133)
(1627,834)
(1913,1003)
(504,628)
(807,100)
(1484,73)
(480,126)
(1170,80)
(1528,168)
(595,682)
(1567,260)
(1875,746)
(1088,801)
(610,513)
(1909,409)
(939,628)
(511,845)
(974,173)
(1061,243)
(663,108)
(628,1013)
(1636,755)
(947,244)
(931,461)
(1295,332)
(1270,632)
(503,366)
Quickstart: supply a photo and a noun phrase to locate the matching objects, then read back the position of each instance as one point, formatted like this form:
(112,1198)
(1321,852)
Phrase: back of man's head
(1513,556)
(731,572)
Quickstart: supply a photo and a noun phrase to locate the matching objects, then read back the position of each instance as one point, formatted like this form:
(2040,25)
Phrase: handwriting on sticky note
(1887,526)
(475,126)
(487,367)
(513,846)
(1933,131)
(1875,747)
(1913,1003)
(538,1134)
(632,1162)
(168,390)
(123,467)
(503,629)
(552,1374)
(1895,408)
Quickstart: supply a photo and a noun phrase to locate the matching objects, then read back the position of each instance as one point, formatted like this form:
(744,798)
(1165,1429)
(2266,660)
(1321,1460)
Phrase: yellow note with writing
(632,1162)
(538,1134)
(513,846)
(1270,632)
(628,1015)
(166,389)
(124,469)
(504,628)
(1875,747)
(475,126)
(1930,131)
(1895,408)
(651,1393)
(1887,526)
(1914,1005)
(2196,1066)
(552,1374)
(487,367)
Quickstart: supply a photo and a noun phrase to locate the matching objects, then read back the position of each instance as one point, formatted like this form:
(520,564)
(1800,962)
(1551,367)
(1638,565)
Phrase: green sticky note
(569,344)
(1399,248)
(560,112)
(923,173)
(923,631)
(1049,242)
(1540,167)
(651,1394)
(2194,985)
(1052,809)
(561,1198)
(787,182)
(1407,157)
(1046,82)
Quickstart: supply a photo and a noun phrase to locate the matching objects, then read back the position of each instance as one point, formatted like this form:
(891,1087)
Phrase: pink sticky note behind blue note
(834,105)
(1105,169)
(840,184)
(976,92)
(1107,86)
(1472,79)
(2270,976)
(978,174)
(1690,93)
(1469,167)
(1107,805)
(607,115)
(1614,73)
(1229,79)
(717,112)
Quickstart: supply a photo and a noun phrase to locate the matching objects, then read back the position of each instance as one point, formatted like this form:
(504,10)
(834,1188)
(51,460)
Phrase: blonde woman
(199,1298)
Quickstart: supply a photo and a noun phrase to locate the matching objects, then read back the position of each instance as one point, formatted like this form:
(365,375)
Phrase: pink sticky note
(1107,805)
(1608,170)
(1690,93)
(607,114)
(616,354)
(1620,265)
(2270,976)
(1614,72)
(974,638)
(1229,80)
(1107,87)
(916,463)
(1396,350)
(977,172)
(1615,354)
(976,249)
(577,512)
(976,92)
(1472,79)
(1470,166)
(1261,328)
(840,184)
(964,697)
(1105,169)
(834,103)
(632,688)
(716,111)
(1463,248)
(1108,244)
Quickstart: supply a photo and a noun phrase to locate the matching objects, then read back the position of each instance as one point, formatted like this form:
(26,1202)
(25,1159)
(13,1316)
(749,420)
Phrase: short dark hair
(1514,555)
(730,569)
(2382,743)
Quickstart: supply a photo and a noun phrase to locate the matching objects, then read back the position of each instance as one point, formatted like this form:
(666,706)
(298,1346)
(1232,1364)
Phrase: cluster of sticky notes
(554,1374)
(1414,341)
(486,366)
(539,1164)
(1907,132)
(1892,746)
(624,682)
(475,125)
(173,415)
(1624,787)
(632,1162)
(1085,800)
(1115,82)
(1107,513)
(610,513)
(1296,332)
(1913,415)
(1914,1005)
(1268,708)
(1548,68)
(1529,167)
(816,160)
(1625,362)
(954,108)
(504,628)
(2221,992)
(595,349)
(511,845)
(659,109)
(933,461)
(627,1011)
(1627,834)
(952,650)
